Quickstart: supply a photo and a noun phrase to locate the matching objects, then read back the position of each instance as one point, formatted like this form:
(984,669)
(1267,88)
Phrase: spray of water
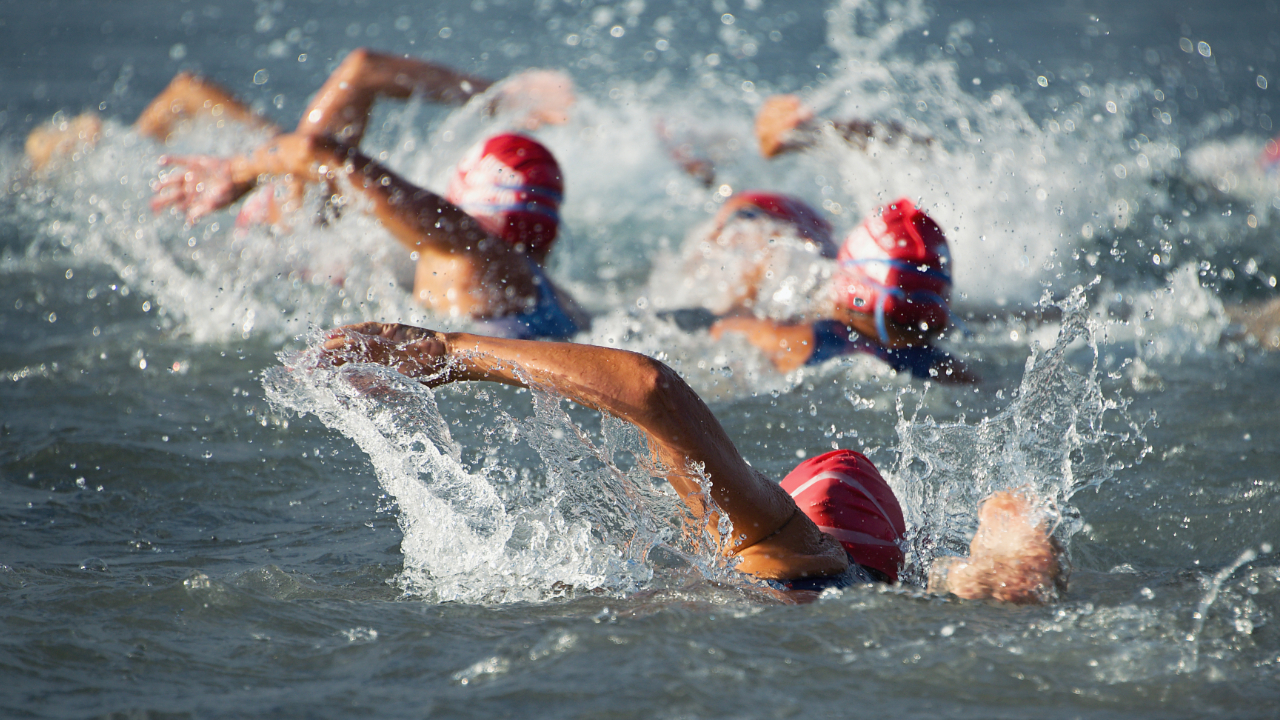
(583,516)
(1062,432)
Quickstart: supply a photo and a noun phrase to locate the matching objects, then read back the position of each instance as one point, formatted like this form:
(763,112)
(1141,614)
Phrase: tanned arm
(770,537)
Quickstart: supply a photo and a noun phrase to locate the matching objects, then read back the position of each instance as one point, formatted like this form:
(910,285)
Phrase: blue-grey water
(190,528)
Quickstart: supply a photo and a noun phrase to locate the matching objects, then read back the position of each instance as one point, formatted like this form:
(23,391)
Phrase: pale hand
(1013,557)
(197,185)
(542,96)
(777,119)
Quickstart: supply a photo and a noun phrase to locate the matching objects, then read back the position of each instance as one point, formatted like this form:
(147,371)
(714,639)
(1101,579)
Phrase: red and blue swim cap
(896,266)
(845,496)
(511,184)
(793,211)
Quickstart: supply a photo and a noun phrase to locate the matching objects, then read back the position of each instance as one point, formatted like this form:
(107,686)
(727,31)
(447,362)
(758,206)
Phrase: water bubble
(617,31)
(1203,48)
(1042,81)
(178,51)
(260,77)
(1262,82)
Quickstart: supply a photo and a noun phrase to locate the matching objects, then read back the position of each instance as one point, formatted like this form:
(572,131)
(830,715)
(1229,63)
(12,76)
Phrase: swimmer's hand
(197,185)
(1012,558)
(412,351)
(777,123)
(538,96)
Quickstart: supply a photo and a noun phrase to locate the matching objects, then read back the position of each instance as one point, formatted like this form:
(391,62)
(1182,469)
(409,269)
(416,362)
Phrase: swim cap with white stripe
(844,494)
(511,184)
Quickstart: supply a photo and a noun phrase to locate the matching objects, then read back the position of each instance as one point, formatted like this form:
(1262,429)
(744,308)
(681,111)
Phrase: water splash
(1061,433)
(584,516)
(1190,661)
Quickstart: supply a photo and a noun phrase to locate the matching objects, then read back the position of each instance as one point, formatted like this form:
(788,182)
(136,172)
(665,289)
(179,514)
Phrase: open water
(188,529)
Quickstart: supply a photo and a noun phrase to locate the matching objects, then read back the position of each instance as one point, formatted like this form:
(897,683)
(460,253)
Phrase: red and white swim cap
(844,494)
(808,222)
(512,185)
(896,266)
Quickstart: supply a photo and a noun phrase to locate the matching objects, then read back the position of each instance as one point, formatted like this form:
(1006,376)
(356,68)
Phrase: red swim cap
(511,184)
(808,222)
(843,493)
(896,266)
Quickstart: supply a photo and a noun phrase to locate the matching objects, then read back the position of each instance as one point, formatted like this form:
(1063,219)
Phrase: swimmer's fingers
(414,352)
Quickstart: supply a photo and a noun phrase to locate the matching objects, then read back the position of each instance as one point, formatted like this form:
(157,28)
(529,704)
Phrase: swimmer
(480,249)
(889,295)
(785,124)
(832,522)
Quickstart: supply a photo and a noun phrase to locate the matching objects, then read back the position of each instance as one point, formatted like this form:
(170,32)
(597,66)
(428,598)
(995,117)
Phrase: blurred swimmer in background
(480,249)
(775,275)
(884,292)
(832,522)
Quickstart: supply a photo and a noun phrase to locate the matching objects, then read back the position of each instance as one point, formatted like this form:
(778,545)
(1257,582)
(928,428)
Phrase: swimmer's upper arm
(681,429)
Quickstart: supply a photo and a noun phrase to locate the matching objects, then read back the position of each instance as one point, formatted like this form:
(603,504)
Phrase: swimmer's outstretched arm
(785,124)
(341,110)
(415,216)
(771,537)
(341,107)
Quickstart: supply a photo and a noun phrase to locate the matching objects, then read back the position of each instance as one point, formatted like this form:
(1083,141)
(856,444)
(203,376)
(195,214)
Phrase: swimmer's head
(808,223)
(845,496)
(896,268)
(512,185)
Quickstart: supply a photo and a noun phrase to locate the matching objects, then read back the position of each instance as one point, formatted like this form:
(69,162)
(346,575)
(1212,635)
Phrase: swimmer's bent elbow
(656,392)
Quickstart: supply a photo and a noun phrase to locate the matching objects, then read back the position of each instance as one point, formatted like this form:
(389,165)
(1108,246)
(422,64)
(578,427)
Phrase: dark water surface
(186,530)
